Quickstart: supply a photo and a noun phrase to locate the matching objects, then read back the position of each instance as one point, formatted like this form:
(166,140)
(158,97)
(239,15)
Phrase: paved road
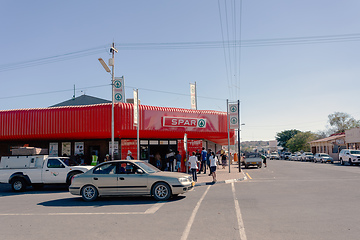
(286,200)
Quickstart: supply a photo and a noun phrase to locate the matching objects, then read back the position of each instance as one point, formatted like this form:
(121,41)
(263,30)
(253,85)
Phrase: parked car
(307,156)
(350,156)
(287,155)
(274,155)
(292,157)
(323,158)
(297,156)
(129,177)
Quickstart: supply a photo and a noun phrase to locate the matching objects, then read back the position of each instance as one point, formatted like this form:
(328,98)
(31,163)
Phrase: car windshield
(355,152)
(308,153)
(148,167)
(69,162)
(324,155)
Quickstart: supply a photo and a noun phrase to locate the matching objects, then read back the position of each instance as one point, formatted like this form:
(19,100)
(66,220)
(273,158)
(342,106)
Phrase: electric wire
(187,45)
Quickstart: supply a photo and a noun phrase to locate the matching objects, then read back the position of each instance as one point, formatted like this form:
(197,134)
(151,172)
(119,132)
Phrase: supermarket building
(85,130)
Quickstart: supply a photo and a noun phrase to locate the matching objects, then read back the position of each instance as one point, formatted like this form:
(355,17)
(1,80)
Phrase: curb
(218,182)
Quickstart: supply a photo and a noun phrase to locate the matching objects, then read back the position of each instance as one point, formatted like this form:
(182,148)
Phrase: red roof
(94,122)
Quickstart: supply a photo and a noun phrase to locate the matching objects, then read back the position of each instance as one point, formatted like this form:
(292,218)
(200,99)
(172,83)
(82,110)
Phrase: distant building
(331,145)
(81,101)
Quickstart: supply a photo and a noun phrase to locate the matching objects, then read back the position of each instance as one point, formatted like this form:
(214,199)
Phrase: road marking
(248,175)
(192,217)
(153,209)
(238,214)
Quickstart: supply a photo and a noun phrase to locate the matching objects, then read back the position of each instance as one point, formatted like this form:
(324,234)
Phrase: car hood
(170,174)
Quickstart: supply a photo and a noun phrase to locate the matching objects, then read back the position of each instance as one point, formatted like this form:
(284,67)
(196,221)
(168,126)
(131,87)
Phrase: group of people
(206,159)
(172,161)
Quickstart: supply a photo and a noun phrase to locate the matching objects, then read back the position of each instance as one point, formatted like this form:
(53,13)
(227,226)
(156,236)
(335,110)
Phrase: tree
(284,136)
(301,141)
(341,121)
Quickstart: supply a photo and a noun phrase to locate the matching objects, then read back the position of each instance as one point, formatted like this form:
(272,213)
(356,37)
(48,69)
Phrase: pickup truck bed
(253,161)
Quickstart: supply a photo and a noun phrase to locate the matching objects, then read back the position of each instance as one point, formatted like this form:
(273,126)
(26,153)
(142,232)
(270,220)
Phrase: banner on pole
(119,91)
(234,115)
(136,102)
(193,95)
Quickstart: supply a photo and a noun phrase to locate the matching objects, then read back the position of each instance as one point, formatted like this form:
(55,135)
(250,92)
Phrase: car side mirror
(139,171)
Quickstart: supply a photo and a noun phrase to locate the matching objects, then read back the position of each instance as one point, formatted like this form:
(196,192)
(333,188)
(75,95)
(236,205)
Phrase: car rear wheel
(89,193)
(161,191)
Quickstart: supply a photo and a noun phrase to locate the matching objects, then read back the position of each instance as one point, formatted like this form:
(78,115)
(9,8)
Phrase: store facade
(84,131)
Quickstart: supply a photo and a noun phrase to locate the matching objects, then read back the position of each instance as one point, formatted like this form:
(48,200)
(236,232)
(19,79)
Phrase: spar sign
(184,122)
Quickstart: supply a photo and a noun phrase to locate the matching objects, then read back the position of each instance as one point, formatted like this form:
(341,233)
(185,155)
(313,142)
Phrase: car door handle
(95,178)
(121,178)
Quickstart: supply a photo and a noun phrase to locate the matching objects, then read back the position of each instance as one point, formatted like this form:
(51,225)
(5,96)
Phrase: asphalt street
(286,200)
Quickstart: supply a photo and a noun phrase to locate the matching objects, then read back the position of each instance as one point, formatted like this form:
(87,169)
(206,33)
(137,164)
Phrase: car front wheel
(89,193)
(161,191)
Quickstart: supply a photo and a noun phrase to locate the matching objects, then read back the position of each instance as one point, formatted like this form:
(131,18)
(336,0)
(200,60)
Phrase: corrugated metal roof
(94,122)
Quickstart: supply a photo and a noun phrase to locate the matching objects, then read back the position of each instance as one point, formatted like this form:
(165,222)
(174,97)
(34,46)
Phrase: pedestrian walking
(158,160)
(193,160)
(223,160)
(264,159)
(203,161)
(213,160)
(198,155)
(208,160)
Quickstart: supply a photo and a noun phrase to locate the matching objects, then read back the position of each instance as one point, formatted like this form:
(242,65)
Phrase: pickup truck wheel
(89,193)
(69,178)
(18,184)
(341,162)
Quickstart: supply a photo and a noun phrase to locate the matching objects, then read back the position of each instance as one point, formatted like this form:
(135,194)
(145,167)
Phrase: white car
(323,158)
(307,156)
(274,155)
(350,156)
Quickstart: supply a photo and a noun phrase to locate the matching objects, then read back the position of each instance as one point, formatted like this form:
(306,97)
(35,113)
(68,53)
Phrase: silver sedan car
(129,178)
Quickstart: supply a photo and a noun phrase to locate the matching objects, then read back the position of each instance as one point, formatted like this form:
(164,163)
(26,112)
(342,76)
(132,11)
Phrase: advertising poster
(79,148)
(54,149)
(66,149)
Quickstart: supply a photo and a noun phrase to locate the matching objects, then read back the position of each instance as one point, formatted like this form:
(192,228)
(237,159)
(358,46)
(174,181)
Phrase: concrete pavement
(222,176)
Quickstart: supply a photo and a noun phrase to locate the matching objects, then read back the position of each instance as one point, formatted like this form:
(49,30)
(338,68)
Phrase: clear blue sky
(298,62)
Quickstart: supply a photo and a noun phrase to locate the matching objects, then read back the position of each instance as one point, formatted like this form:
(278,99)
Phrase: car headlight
(184,179)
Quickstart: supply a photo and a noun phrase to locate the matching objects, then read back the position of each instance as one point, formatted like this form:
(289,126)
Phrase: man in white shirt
(193,160)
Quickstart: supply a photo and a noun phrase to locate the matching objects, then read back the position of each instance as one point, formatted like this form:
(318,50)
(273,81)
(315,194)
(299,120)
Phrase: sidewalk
(222,176)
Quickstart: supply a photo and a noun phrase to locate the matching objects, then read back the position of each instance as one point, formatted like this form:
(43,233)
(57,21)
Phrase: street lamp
(107,69)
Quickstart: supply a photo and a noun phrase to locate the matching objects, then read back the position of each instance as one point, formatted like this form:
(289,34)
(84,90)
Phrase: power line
(187,45)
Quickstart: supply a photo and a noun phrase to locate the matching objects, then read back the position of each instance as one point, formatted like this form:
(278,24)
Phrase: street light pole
(112,64)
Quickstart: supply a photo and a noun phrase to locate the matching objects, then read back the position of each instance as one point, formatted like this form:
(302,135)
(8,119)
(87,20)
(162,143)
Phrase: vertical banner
(234,115)
(136,102)
(119,91)
(193,95)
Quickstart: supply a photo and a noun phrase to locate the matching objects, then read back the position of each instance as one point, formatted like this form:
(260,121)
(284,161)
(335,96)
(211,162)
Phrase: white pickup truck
(38,170)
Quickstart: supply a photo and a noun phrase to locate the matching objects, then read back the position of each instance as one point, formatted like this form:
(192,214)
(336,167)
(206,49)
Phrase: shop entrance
(159,148)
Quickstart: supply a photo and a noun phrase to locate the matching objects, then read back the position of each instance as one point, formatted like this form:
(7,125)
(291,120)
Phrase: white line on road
(151,210)
(238,215)
(192,218)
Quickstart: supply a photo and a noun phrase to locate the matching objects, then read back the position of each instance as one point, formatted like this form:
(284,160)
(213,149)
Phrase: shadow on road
(104,201)
(5,190)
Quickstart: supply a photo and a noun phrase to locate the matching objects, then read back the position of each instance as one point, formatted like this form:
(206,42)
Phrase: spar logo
(184,122)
